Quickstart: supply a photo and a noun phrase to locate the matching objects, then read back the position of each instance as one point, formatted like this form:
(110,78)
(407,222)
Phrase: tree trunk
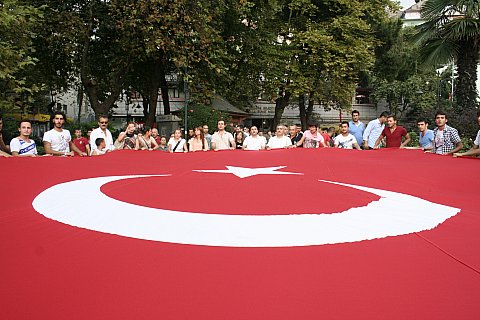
(164,90)
(156,78)
(80,102)
(303,111)
(152,110)
(145,104)
(466,93)
(308,114)
(90,85)
(280,105)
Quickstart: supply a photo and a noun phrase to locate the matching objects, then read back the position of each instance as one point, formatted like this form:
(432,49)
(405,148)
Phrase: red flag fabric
(280,234)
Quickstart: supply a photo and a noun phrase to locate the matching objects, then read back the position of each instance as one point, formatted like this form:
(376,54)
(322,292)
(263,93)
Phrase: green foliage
(18,25)
(199,115)
(408,90)
(444,39)
(10,125)
(300,48)
(467,144)
(414,139)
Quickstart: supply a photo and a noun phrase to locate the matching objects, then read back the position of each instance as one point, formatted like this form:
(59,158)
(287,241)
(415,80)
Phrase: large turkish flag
(240,235)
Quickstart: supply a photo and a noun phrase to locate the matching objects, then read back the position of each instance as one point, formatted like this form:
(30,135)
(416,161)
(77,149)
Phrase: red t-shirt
(394,139)
(326,139)
(81,144)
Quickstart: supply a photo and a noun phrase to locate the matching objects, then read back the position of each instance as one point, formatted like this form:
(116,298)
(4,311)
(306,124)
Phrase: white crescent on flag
(393,214)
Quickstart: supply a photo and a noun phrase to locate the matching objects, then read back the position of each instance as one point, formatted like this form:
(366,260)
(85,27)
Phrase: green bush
(199,115)
(414,142)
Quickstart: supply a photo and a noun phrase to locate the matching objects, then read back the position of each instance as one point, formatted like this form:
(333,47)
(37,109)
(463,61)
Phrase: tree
(175,37)
(311,49)
(408,90)
(18,25)
(452,31)
(86,42)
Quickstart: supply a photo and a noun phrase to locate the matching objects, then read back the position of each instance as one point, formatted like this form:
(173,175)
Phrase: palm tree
(452,31)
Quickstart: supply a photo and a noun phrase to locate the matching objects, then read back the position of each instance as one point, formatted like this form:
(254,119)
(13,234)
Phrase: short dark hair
(478,114)
(59,113)
(24,120)
(441,113)
(345,122)
(384,114)
(355,111)
(392,116)
(422,119)
(324,129)
(99,141)
(312,124)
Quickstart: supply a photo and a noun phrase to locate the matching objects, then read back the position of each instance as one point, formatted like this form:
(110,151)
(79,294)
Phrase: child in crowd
(101,147)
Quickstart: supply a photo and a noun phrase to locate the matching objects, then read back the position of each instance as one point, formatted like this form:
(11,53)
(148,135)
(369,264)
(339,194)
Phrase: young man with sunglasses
(102,132)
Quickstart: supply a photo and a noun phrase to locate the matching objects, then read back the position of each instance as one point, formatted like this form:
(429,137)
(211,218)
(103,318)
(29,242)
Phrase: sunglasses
(103,122)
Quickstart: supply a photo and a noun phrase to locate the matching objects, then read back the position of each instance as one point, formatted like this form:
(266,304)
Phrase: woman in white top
(146,141)
(176,143)
(198,142)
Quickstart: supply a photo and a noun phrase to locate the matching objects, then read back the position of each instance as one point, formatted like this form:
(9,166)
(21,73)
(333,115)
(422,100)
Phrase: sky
(407,3)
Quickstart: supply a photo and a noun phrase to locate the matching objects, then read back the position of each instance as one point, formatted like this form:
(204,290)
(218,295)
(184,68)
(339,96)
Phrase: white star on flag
(249,172)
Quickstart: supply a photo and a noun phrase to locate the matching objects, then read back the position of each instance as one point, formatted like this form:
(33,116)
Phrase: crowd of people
(383,131)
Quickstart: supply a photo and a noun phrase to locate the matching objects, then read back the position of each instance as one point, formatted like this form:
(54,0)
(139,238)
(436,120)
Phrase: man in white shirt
(254,141)
(102,132)
(222,140)
(374,130)
(58,141)
(23,146)
(345,139)
(279,140)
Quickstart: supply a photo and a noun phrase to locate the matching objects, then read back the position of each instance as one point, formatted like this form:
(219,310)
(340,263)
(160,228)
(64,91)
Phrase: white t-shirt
(439,142)
(372,132)
(222,141)
(98,133)
(254,143)
(477,139)
(98,152)
(23,147)
(59,140)
(343,142)
(173,143)
(278,143)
